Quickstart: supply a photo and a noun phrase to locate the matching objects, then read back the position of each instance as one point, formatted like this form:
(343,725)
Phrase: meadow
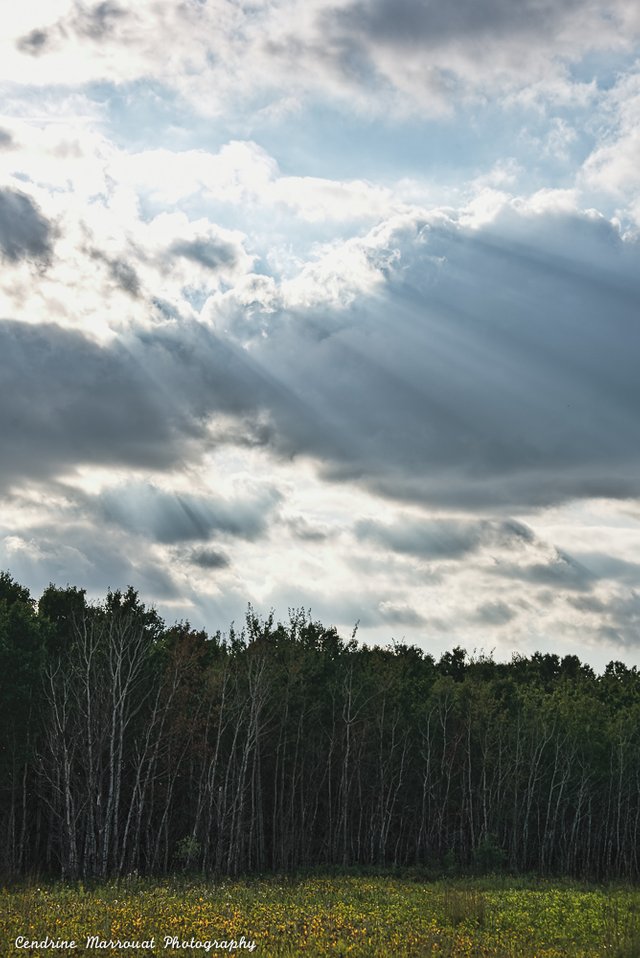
(361,917)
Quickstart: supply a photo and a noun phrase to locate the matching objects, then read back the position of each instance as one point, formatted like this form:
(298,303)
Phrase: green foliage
(21,661)
(324,916)
(284,746)
(488,856)
(12,592)
(450,865)
(187,851)
(466,906)
(63,611)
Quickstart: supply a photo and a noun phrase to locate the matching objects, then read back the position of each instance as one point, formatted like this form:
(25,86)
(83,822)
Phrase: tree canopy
(127,744)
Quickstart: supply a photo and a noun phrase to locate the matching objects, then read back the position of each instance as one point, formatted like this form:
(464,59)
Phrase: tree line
(130,746)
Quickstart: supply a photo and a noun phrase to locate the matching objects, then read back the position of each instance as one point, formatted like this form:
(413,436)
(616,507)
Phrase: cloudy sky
(327,303)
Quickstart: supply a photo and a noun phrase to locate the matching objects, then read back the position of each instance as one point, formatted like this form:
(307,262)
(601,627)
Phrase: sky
(329,304)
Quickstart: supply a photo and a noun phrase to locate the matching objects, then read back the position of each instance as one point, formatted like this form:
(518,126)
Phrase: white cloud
(406,53)
(288,381)
(612,167)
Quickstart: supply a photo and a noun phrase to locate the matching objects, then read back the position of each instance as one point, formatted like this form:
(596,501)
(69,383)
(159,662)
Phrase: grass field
(346,916)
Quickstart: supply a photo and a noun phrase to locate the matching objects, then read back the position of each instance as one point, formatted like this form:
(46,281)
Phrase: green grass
(363,917)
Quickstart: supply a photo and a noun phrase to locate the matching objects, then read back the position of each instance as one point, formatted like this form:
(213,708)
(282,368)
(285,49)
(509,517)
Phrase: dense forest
(127,745)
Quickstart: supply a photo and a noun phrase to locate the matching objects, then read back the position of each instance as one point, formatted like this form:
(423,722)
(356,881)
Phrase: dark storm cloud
(67,401)
(610,567)
(71,551)
(618,615)
(141,401)
(493,368)
(624,619)
(166,309)
(24,231)
(97,22)
(305,531)
(121,272)
(587,603)
(34,43)
(494,613)
(408,23)
(438,538)
(400,615)
(435,53)
(125,276)
(561,572)
(441,538)
(212,254)
(170,517)
(209,559)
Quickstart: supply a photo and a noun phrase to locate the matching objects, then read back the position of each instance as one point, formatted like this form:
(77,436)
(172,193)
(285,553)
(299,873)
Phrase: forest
(131,747)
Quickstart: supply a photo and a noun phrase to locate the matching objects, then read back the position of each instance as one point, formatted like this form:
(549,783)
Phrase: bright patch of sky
(328,304)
